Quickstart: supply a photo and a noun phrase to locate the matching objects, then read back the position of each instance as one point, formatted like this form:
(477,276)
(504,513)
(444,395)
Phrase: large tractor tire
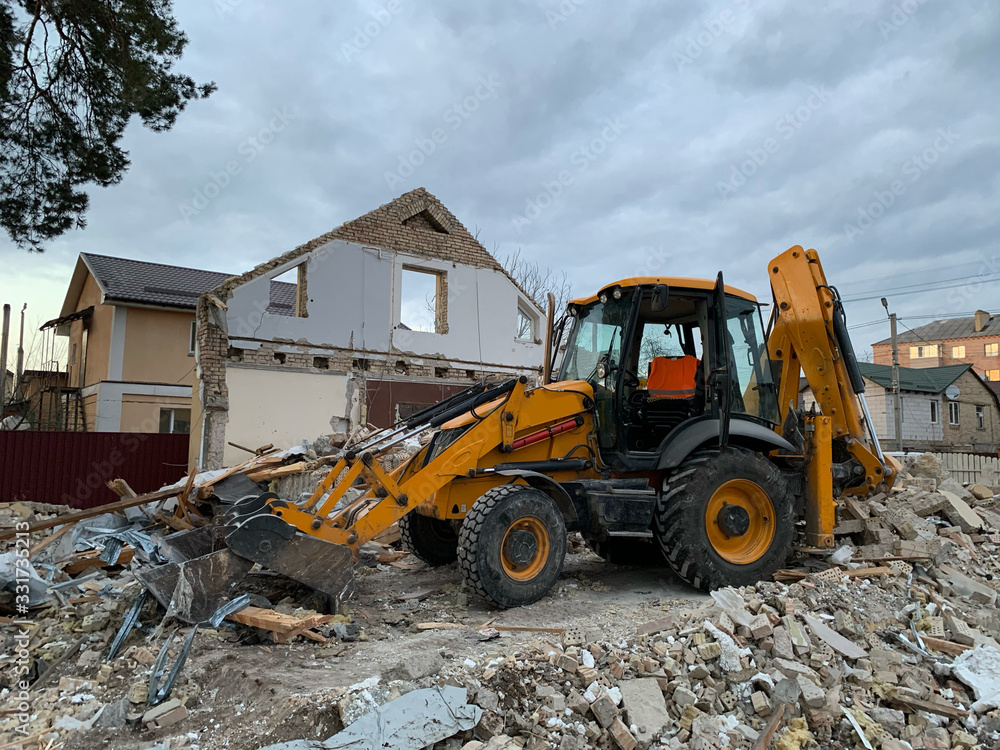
(432,540)
(512,545)
(628,551)
(725,519)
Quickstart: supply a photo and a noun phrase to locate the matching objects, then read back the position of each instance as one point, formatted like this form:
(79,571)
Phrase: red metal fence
(72,468)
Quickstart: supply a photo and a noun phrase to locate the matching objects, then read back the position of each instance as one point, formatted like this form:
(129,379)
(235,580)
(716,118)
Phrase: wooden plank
(266,475)
(941,709)
(130,502)
(868,572)
(767,733)
(947,647)
(48,540)
(438,625)
(527,629)
(93,560)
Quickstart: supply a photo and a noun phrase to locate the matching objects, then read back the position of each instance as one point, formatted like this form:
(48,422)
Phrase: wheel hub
(733,520)
(520,547)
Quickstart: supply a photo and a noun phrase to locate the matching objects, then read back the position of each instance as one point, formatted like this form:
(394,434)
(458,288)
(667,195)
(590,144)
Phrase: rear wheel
(725,519)
(432,540)
(512,545)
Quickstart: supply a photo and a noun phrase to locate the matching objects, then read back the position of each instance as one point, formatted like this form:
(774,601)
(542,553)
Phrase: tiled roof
(128,280)
(922,380)
(942,330)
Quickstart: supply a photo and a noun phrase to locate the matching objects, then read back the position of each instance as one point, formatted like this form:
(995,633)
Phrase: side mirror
(661,295)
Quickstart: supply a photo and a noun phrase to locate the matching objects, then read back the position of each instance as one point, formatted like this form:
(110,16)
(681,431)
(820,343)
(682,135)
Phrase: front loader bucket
(194,589)
(267,540)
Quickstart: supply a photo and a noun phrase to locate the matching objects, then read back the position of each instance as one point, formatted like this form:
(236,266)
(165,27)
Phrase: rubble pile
(889,641)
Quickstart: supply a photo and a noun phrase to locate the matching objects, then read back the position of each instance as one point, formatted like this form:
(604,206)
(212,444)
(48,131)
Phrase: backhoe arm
(809,335)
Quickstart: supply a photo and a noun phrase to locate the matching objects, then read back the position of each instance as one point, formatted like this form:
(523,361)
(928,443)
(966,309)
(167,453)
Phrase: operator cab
(662,353)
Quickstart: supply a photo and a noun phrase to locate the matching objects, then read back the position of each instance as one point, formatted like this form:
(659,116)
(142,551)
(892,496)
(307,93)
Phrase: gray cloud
(365,96)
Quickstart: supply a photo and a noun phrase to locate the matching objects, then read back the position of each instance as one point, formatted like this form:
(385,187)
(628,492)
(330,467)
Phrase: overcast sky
(607,139)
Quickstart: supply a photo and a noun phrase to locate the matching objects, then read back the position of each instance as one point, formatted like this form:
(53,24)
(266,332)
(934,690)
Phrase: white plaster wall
(280,406)
(354,303)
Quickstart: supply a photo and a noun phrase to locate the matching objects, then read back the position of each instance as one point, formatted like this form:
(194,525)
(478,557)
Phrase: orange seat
(672,377)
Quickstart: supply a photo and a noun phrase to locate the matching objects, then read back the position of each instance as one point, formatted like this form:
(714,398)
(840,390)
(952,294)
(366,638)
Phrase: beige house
(130,326)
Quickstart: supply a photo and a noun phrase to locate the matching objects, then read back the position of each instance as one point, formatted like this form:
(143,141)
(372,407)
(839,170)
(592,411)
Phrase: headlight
(604,299)
(617,294)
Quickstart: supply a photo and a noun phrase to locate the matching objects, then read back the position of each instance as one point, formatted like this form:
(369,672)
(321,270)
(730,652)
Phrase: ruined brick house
(392,311)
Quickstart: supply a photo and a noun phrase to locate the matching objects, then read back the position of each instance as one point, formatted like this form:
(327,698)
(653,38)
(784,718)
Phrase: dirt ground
(251,695)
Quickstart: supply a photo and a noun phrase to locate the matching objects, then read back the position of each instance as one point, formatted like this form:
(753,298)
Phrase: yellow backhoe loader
(666,428)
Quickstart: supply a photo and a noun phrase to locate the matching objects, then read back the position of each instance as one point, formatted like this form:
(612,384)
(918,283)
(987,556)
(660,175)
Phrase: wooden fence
(970,467)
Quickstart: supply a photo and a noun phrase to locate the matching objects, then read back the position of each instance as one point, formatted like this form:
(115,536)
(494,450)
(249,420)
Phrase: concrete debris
(411,722)
(890,643)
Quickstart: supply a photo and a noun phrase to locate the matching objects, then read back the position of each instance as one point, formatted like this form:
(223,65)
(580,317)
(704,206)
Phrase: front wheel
(725,519)
(512,545)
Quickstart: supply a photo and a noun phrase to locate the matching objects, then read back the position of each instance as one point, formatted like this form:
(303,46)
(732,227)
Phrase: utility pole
(4,341)
(896,398)
(20,348)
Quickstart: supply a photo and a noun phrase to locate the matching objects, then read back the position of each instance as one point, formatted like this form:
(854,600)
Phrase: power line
(937,269)
(894,293)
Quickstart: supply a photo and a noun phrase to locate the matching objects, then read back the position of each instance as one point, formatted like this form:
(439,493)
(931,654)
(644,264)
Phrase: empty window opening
(289,293)
(423,300)
(193,337)
(470,374)
(525,325)
(361,364)
(953,412)
(279,358)
(321,363)
(175,421)
(440,372)
(234,354)
(401,367)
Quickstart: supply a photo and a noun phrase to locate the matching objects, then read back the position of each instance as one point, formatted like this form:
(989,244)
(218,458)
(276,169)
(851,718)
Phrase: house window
(993,375)
(980,418)
(934,412)
(992,350)
(175,421)
(525,325)
(958,352)
(193,336)
(423,300)
(953,412)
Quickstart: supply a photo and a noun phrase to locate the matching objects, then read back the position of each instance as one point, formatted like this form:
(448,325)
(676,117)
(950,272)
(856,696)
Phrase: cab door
(721,362)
